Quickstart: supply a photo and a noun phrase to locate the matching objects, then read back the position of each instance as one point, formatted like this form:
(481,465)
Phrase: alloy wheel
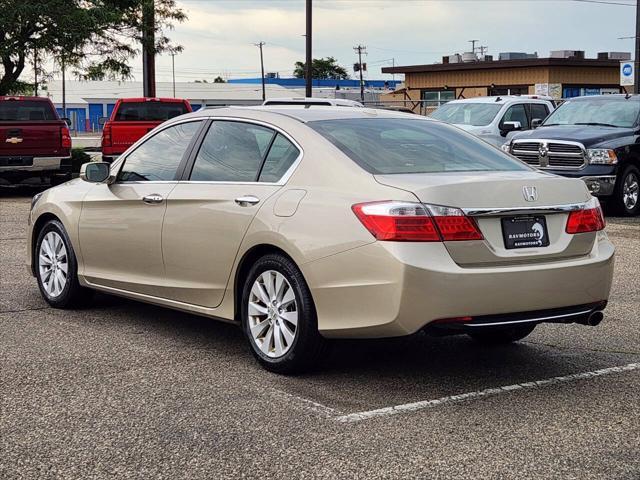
(273,314)
(630,191)
(53,264)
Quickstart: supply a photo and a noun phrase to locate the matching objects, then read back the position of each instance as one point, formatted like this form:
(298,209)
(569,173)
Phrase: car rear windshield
(26,110)
(149,111)
(394,145)
(601,111)
(476,114)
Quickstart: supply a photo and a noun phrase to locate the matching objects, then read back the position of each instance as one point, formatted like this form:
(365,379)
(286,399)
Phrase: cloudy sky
(219,36)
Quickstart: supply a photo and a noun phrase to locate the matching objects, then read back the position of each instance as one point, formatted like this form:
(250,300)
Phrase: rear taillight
(415,222)
(65,137)
(106,135)
(590,219)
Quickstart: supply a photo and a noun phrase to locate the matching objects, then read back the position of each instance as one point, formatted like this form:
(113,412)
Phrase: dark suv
(593,138)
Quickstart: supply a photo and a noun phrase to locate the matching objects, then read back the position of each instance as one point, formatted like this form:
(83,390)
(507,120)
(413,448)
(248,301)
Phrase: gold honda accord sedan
(303,224)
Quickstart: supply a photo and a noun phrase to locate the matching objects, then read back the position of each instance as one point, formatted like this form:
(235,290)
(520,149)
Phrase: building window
(435,98)
(509,90)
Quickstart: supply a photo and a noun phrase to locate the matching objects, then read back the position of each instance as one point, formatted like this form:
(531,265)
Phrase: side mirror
(102,121)
(535,123)
(67,121)
(509,127)
(95,172)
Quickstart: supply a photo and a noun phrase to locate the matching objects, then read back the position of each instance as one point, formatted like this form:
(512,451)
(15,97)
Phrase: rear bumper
(389,289)
(36,164)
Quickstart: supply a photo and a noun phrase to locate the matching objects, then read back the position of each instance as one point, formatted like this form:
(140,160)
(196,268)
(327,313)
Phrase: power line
(605,2)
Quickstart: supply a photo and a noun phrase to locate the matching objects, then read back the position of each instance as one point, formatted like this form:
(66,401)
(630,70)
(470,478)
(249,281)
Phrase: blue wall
(300,82)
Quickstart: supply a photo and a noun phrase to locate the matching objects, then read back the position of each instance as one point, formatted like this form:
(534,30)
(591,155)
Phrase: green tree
(324,68)
(95,37)
(219,79)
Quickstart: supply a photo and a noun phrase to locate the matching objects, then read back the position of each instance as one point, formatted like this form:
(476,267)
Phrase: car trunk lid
(525,201)
(31,138)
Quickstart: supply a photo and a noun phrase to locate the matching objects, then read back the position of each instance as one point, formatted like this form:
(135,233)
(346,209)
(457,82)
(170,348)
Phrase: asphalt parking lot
(127,390)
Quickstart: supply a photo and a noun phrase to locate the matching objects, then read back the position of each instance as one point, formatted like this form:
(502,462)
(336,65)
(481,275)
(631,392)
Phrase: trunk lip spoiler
(498,211)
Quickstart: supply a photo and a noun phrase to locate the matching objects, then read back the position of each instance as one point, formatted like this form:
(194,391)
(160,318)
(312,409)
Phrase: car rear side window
(282,155)
(399,145)
(149,111)
(26,110)
(231,152)
(159,157)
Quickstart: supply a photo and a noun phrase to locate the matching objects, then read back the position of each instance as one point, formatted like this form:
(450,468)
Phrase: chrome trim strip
(492,212)
(529,320)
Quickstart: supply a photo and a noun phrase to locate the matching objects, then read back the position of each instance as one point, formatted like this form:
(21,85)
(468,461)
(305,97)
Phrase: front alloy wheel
(279,317)
(628,191)
(53,264)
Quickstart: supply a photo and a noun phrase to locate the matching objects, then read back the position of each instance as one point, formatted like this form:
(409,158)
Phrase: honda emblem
(530,194)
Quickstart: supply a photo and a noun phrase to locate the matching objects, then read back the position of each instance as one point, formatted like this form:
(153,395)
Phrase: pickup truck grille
(550,154)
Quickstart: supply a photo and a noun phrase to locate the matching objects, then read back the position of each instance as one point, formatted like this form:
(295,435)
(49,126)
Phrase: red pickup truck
(34,141)
(132,118)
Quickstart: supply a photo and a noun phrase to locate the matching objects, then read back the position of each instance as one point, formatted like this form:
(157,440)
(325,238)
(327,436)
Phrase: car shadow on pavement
(362,374)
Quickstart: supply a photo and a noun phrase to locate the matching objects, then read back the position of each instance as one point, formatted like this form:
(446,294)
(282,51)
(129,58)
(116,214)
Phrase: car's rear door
(121,223)
(237,167)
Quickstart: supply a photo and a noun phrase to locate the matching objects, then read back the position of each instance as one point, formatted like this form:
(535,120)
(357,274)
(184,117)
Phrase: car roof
(611,97)
(23,97)
(312,100)
(152,99)
(502,99)
(302,113)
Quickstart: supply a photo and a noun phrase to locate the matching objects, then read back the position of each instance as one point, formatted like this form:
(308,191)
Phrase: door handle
(153,199)
(247,200)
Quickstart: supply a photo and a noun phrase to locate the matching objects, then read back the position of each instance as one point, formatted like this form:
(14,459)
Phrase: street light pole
(309,60)
(636,83)
(173,72)
(64,91)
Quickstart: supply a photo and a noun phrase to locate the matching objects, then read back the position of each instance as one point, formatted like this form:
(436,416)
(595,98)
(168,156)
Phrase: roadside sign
(627,73)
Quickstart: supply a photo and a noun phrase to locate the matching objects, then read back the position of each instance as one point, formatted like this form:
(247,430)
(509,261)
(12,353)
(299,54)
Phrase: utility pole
(361,49)
(35,71)
(264,93)
(636,83)
(173,72)
(309,60)
(148,49)
(64,90)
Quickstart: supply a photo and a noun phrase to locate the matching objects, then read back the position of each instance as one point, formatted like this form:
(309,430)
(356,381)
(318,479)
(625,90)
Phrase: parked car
(132,118)
(495,119)
(34,141)
(327,102)
(302,224)
(594,139)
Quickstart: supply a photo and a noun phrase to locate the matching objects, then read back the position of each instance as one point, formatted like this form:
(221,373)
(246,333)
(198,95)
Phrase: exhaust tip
(595,318)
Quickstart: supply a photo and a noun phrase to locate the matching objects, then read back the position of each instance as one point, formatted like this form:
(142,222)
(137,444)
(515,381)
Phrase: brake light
(415,222)
(106,135)
(587,220)
(65,137)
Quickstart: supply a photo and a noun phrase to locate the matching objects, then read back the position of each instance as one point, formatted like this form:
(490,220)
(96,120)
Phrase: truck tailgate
(31,138)
(124,134)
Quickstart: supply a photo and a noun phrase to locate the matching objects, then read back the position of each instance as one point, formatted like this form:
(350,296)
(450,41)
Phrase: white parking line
(411,407)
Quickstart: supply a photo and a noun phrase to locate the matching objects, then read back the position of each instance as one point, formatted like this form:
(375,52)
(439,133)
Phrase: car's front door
(121,223)
(237,167)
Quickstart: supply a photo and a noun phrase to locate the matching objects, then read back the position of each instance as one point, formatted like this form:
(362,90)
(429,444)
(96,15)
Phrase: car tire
(502,336)
(56,268)
(279,318)
(626,194)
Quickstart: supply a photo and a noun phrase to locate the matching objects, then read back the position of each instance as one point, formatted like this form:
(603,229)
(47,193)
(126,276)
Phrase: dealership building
(564,74)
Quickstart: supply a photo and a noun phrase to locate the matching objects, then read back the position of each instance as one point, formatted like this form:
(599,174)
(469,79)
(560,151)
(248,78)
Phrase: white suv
(495,119)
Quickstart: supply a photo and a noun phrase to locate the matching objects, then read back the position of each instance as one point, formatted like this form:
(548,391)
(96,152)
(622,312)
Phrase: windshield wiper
(598,124)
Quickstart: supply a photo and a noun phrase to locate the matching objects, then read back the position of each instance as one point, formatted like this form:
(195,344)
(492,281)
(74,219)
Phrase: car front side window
(516,113)
(159,157)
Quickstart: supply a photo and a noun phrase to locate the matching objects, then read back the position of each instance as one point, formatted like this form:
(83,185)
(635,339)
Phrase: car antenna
(498,99)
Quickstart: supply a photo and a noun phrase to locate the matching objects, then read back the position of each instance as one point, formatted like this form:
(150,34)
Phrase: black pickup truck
(594,138)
